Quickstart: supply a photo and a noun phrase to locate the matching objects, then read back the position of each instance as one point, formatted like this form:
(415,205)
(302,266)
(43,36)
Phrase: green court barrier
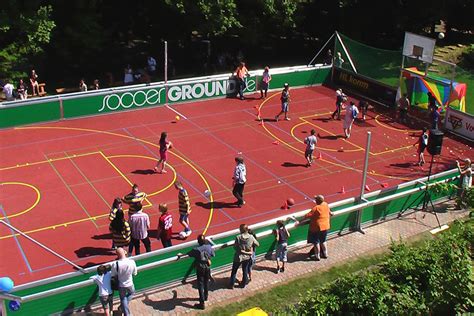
(75,291)
(118,99)
(29,113)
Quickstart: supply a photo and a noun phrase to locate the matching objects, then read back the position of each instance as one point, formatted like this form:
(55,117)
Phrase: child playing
(264,85)
(282,235)
(164,146)
(165,226)
(184,207)
(285,102)
(103,281)
(422,142)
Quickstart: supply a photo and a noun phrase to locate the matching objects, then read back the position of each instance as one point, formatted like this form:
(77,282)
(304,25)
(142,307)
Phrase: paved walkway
(180,299)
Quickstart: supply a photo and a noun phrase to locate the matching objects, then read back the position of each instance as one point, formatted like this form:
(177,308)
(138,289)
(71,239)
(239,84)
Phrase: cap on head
(286,85)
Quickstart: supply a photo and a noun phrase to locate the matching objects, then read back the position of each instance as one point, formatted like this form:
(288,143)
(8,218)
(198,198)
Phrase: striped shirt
(240,173)
(121,239)
(139,223)
(134,201)
(113,213)
(184,204)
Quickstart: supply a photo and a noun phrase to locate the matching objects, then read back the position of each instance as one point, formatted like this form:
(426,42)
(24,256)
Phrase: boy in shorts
(184,207)
(310,142)
(285,102)
(106,295)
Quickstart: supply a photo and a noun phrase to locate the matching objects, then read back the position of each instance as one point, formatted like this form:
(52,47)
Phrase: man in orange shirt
(319,224)
(241,72)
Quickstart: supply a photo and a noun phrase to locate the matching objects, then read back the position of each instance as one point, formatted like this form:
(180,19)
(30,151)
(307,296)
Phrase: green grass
(278,298)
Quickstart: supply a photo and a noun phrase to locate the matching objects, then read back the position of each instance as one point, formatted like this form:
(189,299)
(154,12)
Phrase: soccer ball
(207,193)
(441,35)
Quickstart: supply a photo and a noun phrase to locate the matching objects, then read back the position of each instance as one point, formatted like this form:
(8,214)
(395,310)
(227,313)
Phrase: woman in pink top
(164,146)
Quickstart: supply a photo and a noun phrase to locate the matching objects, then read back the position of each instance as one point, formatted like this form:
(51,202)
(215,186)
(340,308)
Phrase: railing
(161,267)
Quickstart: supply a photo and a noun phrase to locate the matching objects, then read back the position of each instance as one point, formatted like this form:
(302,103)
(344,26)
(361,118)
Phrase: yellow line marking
(405,131)
(325,160)
(38,197)
(29,164)
(154,159)
(211,198)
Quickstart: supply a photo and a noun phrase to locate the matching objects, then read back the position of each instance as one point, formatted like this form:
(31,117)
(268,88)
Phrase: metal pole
(327,42)
(166,72)
(364,178)
(43,246)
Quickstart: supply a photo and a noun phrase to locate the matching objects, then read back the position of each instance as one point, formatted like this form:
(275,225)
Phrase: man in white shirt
(239,179)
(8,90)
(139,224)
(125,269)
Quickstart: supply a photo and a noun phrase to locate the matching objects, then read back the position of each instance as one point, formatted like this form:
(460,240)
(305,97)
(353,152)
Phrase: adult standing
(340,99)
(165,226)
(184,207)
(351,114)
(151,62)
(338,61)
(128,75)
(466,180)
(120,230)
(319,224)
(310,142)
(82,86)
(134,199)
(34,83)
(431,101)
(285,102)
(403,106)
(243,245)
(139,224)
(241,72)
(124,268)
(202,255)
(239,180)
(22,90)
(435,116)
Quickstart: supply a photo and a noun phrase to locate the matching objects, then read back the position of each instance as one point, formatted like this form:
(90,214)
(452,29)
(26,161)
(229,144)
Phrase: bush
(435,278)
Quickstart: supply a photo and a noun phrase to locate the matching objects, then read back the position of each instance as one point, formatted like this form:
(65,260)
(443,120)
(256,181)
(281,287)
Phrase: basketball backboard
(419,47)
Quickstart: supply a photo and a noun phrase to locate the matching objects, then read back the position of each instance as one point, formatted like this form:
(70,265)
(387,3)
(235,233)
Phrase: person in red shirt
(319,224)
(165,226)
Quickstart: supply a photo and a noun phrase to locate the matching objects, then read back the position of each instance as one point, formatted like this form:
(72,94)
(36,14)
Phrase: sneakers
(287,119)
(188,232)
(282,269)
(276,118)
(199,306)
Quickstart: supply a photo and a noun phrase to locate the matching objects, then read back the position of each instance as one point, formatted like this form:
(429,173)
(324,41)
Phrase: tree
(24,30)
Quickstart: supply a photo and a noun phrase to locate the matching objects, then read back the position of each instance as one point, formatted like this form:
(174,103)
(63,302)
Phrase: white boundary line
(177,112)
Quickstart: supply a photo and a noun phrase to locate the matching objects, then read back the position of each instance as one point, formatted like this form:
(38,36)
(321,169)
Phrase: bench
(66,90)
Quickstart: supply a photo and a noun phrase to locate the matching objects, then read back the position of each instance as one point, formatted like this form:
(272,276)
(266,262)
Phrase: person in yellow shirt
(134,199)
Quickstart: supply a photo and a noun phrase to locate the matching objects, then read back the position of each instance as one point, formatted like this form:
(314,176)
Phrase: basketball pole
(364,179)
(166,72)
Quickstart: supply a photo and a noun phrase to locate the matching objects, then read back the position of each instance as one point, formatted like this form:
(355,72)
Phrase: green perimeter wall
(176,271)
(133,97)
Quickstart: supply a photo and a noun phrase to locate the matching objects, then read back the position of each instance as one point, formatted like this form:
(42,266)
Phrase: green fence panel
(29,113)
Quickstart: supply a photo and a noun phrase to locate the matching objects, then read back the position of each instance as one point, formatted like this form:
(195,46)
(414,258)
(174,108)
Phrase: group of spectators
(21,91)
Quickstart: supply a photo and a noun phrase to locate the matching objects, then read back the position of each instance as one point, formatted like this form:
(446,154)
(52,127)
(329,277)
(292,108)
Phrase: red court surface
(58,180)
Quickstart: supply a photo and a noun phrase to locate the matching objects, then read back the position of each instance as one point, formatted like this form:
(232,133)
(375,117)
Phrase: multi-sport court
(58,180)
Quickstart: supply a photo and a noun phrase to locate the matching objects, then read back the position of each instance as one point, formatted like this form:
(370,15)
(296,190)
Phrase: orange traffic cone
(320,156)
(276,143)
(284,206)
(261,123)
(384,185)
(343,190)
(367,187)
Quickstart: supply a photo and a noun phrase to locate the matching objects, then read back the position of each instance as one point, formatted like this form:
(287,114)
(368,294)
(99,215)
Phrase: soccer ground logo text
(184,92)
